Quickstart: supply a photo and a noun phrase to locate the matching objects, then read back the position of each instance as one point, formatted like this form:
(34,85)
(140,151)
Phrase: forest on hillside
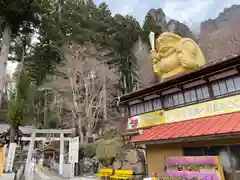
(75,58)
(42,35)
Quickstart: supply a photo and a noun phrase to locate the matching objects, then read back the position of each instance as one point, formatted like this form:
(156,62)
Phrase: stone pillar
(1,161)
(29,157)
(10,156)
(61,157)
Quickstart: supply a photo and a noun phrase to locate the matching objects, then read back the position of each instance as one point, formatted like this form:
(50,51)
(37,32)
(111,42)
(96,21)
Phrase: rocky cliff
(229,17)
(220,37)
(172,25)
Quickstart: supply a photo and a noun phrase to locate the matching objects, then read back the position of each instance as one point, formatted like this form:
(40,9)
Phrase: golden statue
(174,55)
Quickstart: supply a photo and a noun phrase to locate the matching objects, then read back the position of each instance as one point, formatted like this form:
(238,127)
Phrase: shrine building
(193,114)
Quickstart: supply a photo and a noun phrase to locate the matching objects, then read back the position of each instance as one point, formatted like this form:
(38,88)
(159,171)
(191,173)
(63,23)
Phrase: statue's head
(173,52)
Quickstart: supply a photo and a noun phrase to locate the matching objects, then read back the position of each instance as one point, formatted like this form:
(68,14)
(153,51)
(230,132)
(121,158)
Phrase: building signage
(147,119)
(73,149)
(210,108)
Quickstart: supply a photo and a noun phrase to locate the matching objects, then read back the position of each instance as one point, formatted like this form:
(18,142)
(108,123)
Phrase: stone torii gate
(33,138)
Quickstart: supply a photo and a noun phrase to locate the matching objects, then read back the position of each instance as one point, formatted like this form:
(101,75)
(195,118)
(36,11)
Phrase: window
(202,93)
(235,152)
(193,151)
(230,85)
(148,106)
(190,96)
(203,151)
(173,100)
(187,96)
(157,104)
(213,151)
(193,95)
(144,107)
(133,110)
(199,94)
(237,82)
(205,92)
(226,86)
(216,89)
(140,108)
(168,101)
(180,98)
(223,87)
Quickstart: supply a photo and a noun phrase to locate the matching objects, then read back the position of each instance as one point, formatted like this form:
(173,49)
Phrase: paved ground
(8,176)
(46,175)
(51,175)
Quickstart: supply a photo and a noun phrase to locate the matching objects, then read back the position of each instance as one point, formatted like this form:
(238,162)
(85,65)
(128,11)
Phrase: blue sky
(191,12)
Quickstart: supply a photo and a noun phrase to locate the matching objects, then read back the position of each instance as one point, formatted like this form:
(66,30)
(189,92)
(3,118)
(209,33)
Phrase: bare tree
(86,86)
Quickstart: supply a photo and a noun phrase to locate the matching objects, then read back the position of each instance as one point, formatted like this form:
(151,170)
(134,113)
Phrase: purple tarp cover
(206,175)
(207,160)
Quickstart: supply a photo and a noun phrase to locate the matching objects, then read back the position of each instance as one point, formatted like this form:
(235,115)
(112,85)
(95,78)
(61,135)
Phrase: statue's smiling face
(175,55)
(167,59)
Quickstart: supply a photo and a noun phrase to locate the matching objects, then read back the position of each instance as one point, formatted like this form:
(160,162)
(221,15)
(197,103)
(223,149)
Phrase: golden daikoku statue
(174,55)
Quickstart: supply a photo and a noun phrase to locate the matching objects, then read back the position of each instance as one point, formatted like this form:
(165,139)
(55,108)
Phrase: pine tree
(17,16)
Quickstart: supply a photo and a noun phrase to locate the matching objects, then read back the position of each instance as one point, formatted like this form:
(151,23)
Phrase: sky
(191,12)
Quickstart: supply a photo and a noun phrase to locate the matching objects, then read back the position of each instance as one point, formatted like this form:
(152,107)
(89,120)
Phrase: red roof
(214,125)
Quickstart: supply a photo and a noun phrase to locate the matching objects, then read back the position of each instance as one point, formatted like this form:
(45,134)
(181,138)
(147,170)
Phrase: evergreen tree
(150,25)
(127,31)
(80,22)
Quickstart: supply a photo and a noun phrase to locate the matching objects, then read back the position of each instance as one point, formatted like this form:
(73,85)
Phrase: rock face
(227,18)
(159,17)
(220,37)
(134,160)
(172,25)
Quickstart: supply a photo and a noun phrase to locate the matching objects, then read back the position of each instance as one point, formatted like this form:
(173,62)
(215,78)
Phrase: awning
(214,125)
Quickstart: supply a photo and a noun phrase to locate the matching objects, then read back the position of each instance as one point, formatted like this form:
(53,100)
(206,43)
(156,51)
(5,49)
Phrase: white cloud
(185,11)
